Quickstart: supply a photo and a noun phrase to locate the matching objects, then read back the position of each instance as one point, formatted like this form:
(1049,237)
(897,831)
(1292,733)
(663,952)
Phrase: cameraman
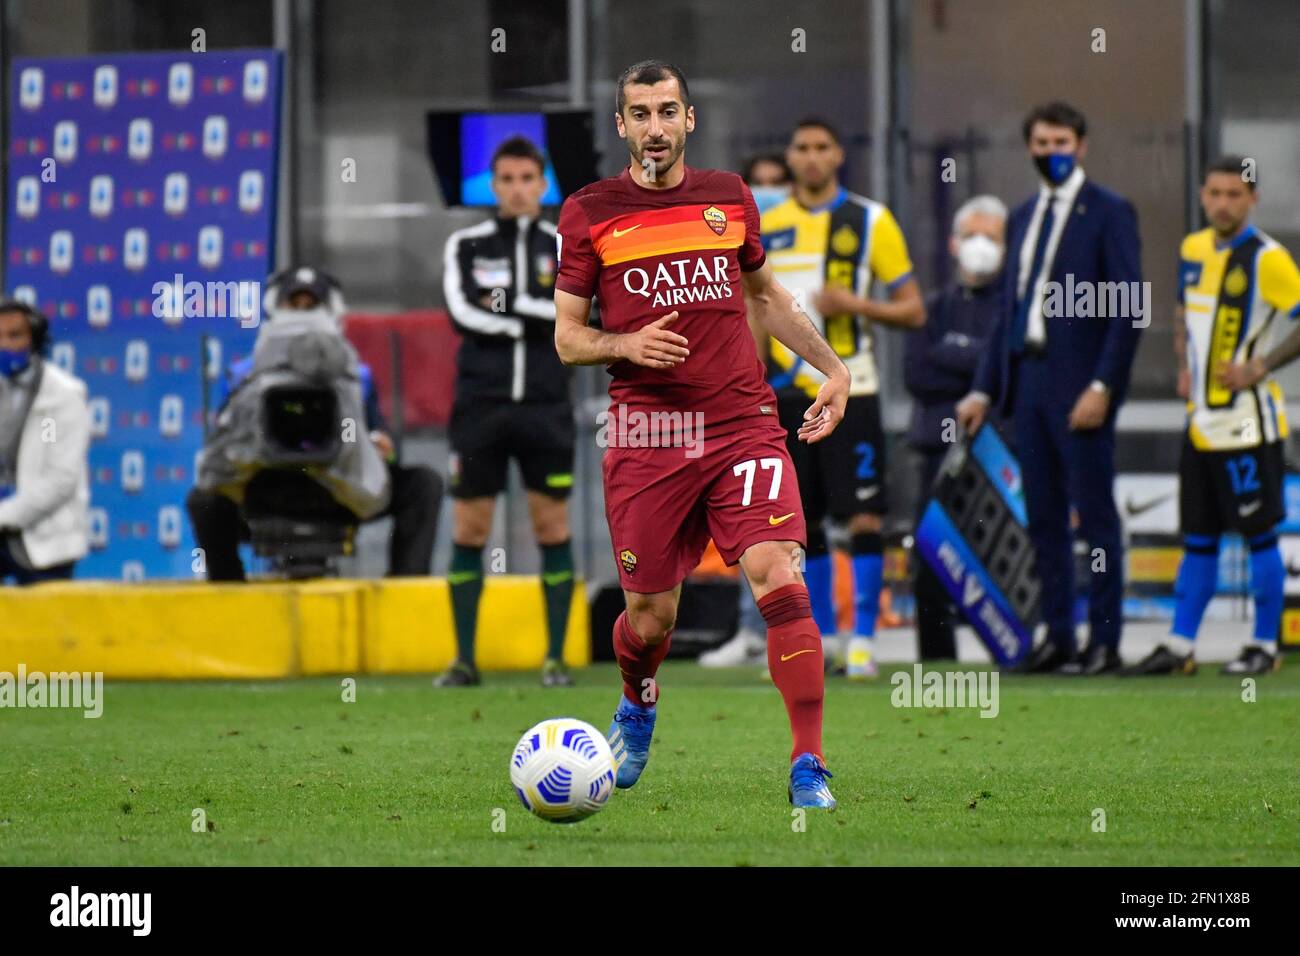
(44,434)
(416,489)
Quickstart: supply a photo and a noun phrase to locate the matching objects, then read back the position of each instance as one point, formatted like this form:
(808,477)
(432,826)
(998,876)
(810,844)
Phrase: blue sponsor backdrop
(127,171)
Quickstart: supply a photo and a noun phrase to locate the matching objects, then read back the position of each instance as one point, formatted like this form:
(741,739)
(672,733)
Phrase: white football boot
(861,658)
(745,649)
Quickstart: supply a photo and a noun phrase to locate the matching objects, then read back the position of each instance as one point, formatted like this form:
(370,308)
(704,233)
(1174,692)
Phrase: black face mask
(1055,167)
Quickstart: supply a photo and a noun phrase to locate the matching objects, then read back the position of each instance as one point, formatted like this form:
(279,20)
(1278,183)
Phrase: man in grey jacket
(44,435)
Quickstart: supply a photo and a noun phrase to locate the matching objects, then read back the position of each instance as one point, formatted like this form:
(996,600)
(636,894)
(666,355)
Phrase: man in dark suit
(1059,364)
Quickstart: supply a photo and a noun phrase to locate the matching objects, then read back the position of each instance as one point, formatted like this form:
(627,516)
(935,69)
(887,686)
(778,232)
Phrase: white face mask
(765,197)
(979,256)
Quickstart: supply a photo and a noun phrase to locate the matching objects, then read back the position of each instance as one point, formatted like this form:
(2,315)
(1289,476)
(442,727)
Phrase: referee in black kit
(512,399)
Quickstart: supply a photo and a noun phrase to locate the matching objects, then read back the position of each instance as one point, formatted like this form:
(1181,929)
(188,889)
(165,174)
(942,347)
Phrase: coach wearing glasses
(1059,365)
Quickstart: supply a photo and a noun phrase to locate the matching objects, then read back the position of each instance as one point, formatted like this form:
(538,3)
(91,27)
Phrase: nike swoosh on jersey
(774,520)
(1247,510)
(806,650)
(624,232)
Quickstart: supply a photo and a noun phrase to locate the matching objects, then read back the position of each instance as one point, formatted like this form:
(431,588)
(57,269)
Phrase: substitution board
(973,534)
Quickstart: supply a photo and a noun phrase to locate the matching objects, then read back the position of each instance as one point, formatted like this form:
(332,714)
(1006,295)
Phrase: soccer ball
(563,770)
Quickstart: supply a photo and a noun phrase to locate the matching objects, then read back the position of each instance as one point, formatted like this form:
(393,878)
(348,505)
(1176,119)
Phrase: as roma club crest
(716,219)
(628,560)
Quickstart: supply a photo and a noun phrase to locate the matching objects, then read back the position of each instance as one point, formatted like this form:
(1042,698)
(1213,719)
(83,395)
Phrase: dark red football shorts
(663,505)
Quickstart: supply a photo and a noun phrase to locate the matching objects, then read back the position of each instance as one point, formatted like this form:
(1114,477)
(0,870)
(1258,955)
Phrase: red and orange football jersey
(643,253)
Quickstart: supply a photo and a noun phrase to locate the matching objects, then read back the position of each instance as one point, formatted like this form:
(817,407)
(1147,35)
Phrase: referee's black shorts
(485,435)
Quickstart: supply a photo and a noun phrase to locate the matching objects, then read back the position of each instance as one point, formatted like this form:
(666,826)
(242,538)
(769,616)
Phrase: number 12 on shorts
(750,467)
(1241,473)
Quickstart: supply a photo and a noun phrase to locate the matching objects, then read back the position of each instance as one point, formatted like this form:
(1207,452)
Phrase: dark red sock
(794,658)
(639,662)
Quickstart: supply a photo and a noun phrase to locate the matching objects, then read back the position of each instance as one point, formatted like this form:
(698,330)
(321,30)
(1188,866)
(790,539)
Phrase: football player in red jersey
(694,448)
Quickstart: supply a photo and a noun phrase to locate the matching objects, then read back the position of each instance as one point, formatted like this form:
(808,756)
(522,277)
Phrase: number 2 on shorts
(748,469)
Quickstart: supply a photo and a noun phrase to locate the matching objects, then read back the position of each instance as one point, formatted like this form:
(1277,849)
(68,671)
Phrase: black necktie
(1040,253)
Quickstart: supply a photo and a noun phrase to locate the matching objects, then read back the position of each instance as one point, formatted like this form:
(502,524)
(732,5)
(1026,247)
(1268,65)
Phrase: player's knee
(470,537)
(551,524)
(471,526)
(552,534)
(655,628)
(652,621)
(777,569)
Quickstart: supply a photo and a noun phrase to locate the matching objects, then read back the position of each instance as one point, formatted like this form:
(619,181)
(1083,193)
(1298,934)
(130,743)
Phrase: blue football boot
(629,738)
(808,776)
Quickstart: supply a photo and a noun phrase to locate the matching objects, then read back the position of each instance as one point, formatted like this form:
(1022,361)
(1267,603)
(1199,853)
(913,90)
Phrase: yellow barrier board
(273,630)
(1291,627)
(163,631)
(328,622)
(409,626)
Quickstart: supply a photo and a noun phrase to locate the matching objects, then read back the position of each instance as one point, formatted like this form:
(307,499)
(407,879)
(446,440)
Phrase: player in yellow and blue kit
(1236,285)
(828,246)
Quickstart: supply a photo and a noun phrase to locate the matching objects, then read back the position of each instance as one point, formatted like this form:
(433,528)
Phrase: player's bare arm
(756,332)
(1239,375)
(654,345)
(773,308)
(904,310)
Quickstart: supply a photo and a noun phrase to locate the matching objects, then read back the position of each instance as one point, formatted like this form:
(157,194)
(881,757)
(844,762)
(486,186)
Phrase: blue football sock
(817,577)
(868,574)
(751,618)
(1198,576)
(1267,580)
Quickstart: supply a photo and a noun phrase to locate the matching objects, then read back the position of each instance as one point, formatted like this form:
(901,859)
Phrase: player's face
(654,124)
(518,184)
(767,173)
(15,334)
(1046,139)
(1227,201)
(814,157)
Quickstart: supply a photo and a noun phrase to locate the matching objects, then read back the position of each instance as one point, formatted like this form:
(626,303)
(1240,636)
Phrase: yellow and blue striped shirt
(1218,333)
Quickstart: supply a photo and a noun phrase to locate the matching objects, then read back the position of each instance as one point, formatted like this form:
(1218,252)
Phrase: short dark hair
(1055,113)
(37,324)
(647,72)
(520,147)
(1232,164)
(816,122)
(747,170)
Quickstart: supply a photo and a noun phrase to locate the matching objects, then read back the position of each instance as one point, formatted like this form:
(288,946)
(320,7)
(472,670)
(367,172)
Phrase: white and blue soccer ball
(563,770)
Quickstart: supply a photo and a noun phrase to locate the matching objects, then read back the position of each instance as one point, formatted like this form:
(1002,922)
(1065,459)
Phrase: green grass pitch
(287,773)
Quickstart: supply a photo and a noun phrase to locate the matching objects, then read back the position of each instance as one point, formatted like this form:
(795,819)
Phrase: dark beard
(675,152)
(820,185)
